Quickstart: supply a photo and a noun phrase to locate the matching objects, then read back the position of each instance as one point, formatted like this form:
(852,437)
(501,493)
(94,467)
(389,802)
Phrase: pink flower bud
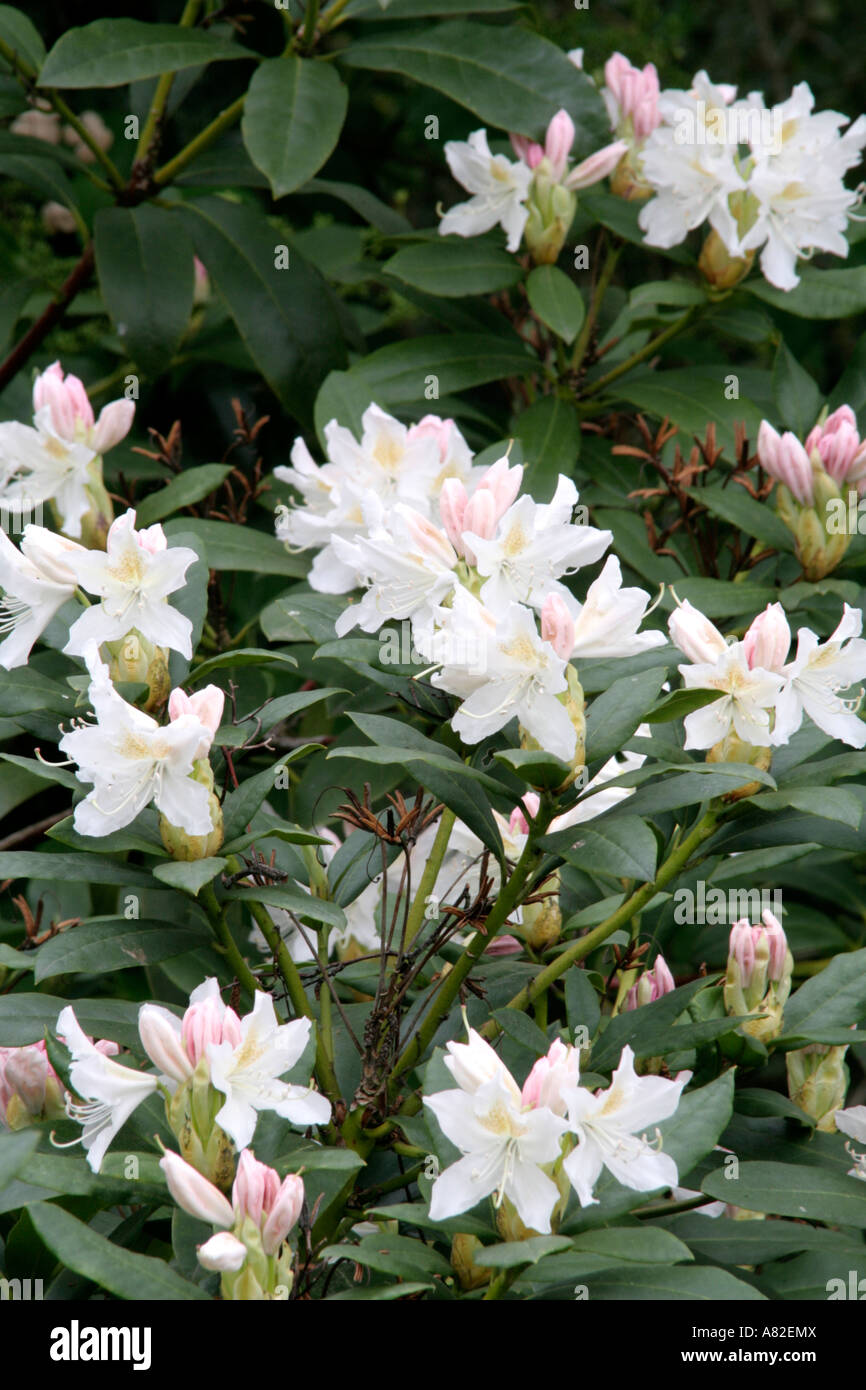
(255,1189)
(67,401)
(433,544)
(433,426)
(207,705)
(552,1074)
(558,143)
(597,166)
(741,946)
(785,459)
(207,1022)
(452,509)
(152,539)
(695,635)
(503,482)
(557,626)
(114,424)
(479,519)
(518,823)
(223,1252)
(837,442)
(163,1042)
(651,985)
(504,945)
(27,1073)
(635,94)
(615,69)
(778,944)
(767,639)
(528,150)
(284,1212)
(195,1194)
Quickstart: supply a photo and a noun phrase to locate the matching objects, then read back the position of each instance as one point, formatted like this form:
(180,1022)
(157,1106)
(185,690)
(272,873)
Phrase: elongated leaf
(700,1284)
(120,1271)
(144,261)
(21,35)
(74,868)
(24,1018)
(241,656)
(734,504)
(189,487)
(15,1150)
(789,1189)
(112,52)
(613,717)
(644,1029)
(455,266)
(624,846)
(230,547)
(550,434)
(293,116)
(190,877)
(821,294)
(556,300)
(401,373)
(798,395)
(116,944)
(240,806)
(835,998)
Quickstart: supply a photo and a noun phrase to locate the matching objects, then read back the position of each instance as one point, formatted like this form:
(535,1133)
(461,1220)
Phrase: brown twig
(48,319)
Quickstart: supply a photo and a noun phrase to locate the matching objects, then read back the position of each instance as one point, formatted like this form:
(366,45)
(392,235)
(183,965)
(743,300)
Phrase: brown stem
(29,832)
(49,319)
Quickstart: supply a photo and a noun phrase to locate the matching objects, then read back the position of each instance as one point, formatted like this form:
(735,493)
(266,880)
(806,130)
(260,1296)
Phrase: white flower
(534,544)
(36,582)
(47,468)
(607,623)
(248,1074)
(407,564)
(131,760)
(748,696)
(853,1123)
(499,189)
(133,576)
(513,675)
(503,1147)
(814,678)
(111,1091)
(611,1130)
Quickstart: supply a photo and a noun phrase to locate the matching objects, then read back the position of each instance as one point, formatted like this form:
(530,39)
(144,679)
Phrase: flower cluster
(215,1070)
(59,458)
(764,696)
(516,1142)
(474,567)
(758,978)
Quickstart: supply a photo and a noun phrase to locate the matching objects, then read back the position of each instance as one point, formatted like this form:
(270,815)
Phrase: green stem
(225,941)
(163,88)
(580,949)
(641,355)
(325,1072)
(287,968)
(598,294)
(428,878)
(310,17)
(506,902)
(223,122)
(331,16)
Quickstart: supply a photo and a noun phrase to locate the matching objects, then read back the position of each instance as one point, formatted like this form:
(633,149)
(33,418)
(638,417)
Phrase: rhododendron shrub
(431,666)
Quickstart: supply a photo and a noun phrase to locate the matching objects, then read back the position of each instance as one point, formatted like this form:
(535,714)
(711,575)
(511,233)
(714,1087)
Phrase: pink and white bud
(527,150)
(223,1253)
(785,459)
(503,482)
(208,1021)
(632,94)
(479,519)
(597,166)
(552,1075)
(651,985)
(196,1195)
(520,817)
(472,1064)
(837,442)
(694,634)
(767,639)
(504,945)
(207,705)
(255,1188)
(27,1073)
(68,403)
(774,934)
(433,544)
(558,142)
(453,500)
(152,539)
(284,1213)
(114,424)
(557,626)
(433,427)
(741,948)
(163,1043)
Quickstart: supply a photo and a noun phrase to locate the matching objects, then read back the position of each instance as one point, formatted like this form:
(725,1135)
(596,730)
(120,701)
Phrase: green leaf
(727,1241)
(700,783)
(455,267)
(293,115)
(400,1256)
(648,1031)
(621,217)
(798,396)
(24,690)
(399,373)
(73,868)
(23,37)
(112,944)
(114,1269)
(112,52)
(680,703)
(513,1253)
(549,431)
(241,805)
(246,656)
(509,77)
(753,1101)
(582,1007)
(16,1147)
(693,1284)
(378,1293)
(379,215)
(623,846)
(188,487)
(691,401)
(613,717)
(733,504)
(230,547)
(191,876)
(821,294)
(521,1028)
(422,9)
(40,174)
(539,769)
(833,803)
(24,1018)
(791,1189)
(344,398)
(834,998)
(286,317)
(144,260)
(556,300)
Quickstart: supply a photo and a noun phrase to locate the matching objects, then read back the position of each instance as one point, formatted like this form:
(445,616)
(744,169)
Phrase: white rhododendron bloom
(133,577)
(408,565)
(747,698)
(35,582)
(499,189)
(111,1092)
(45,467)
(853,1123)
(612,1129)
(131,760)
(813,680)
